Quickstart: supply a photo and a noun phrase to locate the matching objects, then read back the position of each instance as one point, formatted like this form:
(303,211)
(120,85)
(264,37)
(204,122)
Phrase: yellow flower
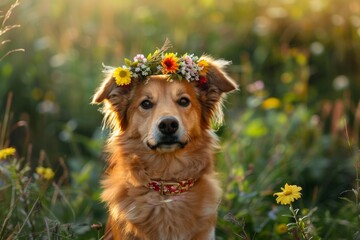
(281,228)
(40,170)
(170,63)
(305,211)
(7,152)
(271,103)
(49,173)
(122,76)
(46,173)
(289,194)
(287,77)
(204,65)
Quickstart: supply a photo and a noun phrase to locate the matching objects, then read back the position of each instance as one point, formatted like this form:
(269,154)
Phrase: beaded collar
(168,188)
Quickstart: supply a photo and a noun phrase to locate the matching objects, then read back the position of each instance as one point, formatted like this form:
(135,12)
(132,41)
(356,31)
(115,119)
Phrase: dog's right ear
(115,100)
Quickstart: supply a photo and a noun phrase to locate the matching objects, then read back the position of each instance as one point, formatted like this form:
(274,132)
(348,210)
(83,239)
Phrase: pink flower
(140,58)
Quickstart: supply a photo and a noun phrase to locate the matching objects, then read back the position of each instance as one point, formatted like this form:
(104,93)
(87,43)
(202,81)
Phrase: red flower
(202,80)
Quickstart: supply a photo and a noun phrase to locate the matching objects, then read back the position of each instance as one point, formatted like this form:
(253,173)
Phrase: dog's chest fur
(147,215)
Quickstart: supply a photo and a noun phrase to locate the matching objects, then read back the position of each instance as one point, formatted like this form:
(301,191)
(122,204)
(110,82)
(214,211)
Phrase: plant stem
(5,127)
(298,223)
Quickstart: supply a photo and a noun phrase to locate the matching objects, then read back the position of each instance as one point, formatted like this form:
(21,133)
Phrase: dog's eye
(184,102)
(146,104)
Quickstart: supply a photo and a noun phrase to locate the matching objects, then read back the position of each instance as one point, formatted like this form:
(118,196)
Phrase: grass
(295,120)
(4,28)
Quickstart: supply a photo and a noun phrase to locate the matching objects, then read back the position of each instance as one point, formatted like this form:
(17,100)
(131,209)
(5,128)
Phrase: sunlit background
(295,119)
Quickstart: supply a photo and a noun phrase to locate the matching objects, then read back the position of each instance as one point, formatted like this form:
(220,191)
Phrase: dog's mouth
(166,145)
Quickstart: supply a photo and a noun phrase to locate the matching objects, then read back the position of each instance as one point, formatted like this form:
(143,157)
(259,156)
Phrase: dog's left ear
(212,88)
(216,75)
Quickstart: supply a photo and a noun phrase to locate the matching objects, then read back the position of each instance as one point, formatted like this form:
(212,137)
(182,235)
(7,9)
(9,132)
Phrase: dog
(160,181)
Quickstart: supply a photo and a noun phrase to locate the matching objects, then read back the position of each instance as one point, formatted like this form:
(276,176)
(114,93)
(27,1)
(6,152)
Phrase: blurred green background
(302,54)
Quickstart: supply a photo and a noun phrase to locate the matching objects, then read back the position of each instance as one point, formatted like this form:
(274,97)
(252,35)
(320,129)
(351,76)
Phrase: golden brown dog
(160,182)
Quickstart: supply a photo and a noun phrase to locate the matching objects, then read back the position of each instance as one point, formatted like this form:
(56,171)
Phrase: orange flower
(271,103)
(170,63)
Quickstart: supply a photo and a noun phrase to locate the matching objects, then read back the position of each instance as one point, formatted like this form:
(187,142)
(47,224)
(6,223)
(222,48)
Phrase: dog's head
(163,114)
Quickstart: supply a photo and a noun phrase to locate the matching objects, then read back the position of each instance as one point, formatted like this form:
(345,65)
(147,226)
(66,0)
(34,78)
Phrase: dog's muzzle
(167,135)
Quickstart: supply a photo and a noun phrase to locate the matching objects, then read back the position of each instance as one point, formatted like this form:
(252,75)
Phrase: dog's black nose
(168,125)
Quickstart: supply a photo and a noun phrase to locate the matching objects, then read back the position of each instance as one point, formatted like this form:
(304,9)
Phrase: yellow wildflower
(289,194)
(204,65)
(7,152)
(287,77)
(122,76)
(40,171)
(271,103)
(49,173)
(305,211)
(46,173)
(301,59)
(281,228)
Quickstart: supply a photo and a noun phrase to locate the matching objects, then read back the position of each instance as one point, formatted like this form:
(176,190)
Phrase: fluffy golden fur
(137,153)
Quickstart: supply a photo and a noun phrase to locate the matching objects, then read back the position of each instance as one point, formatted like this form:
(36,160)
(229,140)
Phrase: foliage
(296,118)
(289,141)
(34,206)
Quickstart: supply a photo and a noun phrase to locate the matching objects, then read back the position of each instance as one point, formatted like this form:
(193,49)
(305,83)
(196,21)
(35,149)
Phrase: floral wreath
(188,66)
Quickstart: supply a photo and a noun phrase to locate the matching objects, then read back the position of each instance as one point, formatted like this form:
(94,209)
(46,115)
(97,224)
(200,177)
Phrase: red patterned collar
(168,187)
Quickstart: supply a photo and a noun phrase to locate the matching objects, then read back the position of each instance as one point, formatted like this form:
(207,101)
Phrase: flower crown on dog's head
(188,66)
